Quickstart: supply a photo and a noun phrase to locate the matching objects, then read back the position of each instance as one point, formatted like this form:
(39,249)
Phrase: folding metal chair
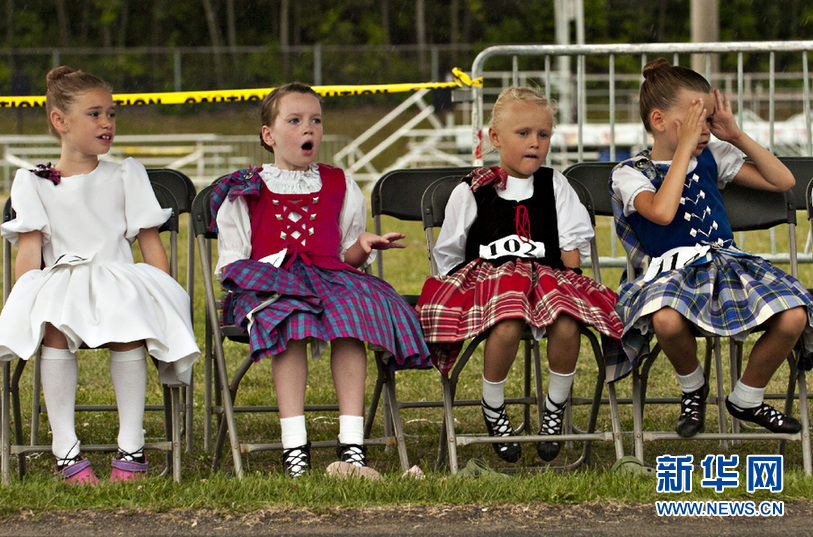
(171,407)
(223,406)
(397,194)
(434,204)
(747,211)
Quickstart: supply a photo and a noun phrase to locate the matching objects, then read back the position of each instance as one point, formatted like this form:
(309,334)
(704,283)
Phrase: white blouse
(234,220)
(575,229)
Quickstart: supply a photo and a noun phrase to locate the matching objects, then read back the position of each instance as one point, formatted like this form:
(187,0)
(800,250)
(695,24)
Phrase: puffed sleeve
(461,211)
(26,201)
(575,228)
(234,233)
(353,219)
(141,208)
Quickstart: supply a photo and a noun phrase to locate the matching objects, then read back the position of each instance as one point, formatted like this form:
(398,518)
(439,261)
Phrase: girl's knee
(508,329)
(668,323)
(791,322)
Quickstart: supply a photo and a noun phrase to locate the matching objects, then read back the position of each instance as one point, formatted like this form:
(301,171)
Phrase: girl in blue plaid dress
(508,254)
(291,237)
(668,206)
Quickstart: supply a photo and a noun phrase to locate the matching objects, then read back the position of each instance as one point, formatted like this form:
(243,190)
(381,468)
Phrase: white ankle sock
(128,370)
(559,387)
(493,395)
(745,396)
(693,381)
(58,373)
(294,433)
(351,430)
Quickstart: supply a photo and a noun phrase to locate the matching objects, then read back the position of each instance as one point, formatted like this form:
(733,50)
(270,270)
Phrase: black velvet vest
(497,218)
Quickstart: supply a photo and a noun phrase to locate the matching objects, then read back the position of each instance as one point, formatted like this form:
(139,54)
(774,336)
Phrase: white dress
(91,289)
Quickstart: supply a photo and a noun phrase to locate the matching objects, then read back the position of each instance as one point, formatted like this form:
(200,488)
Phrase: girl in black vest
(508,255)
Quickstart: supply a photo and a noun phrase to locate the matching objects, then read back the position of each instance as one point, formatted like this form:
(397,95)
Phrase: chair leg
(5,425)
(17,413)
(448,420)
(638,414)
(391,402)
(805,419)
(718,376)
(36,405)
(615,418)
(175,392)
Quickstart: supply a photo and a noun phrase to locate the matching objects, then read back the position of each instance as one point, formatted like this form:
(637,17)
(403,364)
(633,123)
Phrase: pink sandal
(77,472)
(127,467)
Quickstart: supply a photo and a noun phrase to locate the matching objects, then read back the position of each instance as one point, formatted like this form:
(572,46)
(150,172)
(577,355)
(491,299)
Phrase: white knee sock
(559,386)
(493,395)
(128,370)
(294,433)
(58,373)
(351,429)
(693,381)
(745,396)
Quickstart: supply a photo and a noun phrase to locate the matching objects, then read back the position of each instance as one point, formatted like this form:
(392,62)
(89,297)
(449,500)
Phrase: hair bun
(58,72)
(652,67)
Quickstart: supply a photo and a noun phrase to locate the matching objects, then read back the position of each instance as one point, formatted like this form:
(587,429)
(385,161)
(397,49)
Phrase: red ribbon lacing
(523,223)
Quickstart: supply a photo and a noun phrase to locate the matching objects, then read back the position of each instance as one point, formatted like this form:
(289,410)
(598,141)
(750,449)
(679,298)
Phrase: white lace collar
(290,181)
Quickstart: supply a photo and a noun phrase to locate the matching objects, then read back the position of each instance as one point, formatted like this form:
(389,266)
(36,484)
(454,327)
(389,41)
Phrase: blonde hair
(513,94)
(662,83)
(269,109)
(64,85)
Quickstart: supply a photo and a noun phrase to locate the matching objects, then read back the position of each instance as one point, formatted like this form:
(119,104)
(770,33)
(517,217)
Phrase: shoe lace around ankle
(552,419)
(354,455)
(297,462)
(136,456)
(690,405)
(500,425)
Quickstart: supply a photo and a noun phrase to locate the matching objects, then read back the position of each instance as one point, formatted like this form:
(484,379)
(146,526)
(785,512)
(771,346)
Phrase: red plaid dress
(468,302)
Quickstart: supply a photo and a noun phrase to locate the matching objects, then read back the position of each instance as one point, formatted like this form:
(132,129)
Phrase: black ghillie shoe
(297,461)
(551,425)
(693,412)
(500,426)
(766,416)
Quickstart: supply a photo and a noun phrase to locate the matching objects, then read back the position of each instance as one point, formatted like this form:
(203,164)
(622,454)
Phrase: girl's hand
(691,128)
(723,124)
(370,241)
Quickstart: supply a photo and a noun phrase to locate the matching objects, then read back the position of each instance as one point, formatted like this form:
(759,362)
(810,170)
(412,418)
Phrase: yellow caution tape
(226,96)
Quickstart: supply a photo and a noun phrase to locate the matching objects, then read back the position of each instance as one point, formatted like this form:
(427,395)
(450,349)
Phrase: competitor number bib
(512,246)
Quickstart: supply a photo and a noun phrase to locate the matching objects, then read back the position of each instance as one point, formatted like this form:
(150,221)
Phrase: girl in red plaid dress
(508,255)
(290,239)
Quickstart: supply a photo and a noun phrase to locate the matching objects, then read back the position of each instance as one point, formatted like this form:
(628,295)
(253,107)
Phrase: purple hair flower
(46,171)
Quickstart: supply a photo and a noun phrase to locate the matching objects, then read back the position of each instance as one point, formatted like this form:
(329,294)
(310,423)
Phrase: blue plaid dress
(301,300)
(727,292)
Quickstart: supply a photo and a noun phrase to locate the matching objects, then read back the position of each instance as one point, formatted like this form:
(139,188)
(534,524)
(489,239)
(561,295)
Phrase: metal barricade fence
(589,115)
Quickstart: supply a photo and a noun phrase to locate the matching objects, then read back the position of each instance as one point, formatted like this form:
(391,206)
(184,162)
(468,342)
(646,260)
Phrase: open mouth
(307,146)
(106,137)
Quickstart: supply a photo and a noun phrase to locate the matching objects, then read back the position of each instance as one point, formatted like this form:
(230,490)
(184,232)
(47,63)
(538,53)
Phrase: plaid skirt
(465,304)
(729,296)
(275,305)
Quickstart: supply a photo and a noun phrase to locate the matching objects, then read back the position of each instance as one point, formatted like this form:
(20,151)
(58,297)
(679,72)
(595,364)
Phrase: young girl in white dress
(77,281)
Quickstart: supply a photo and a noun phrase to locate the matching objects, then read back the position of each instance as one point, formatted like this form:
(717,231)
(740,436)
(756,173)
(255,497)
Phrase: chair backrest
(433,210)
(595,176)
(750,209)
(177,183)
(398,194)
(201,214)
(802,170)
